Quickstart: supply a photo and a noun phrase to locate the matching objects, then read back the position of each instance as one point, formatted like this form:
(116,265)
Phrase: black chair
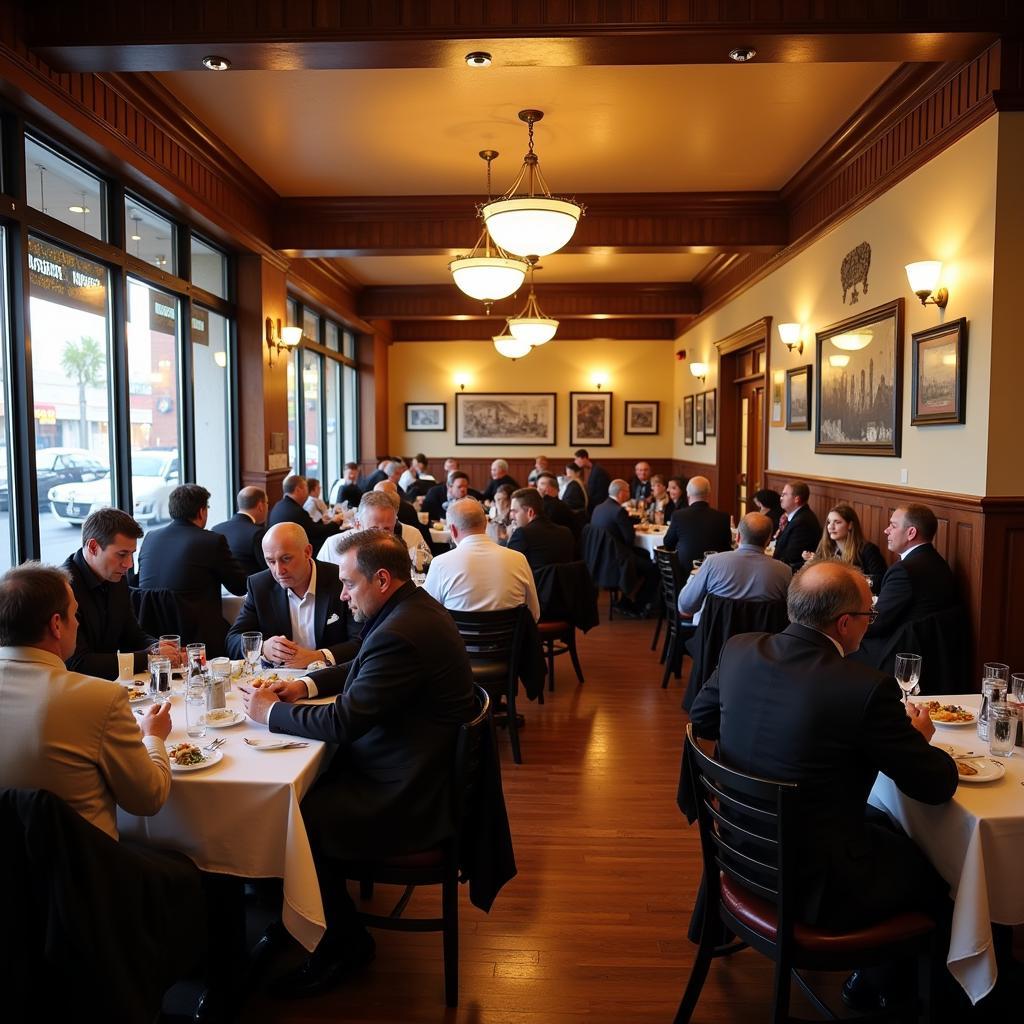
(721,618)
(184,615)
(676,633)
(493,643)
(568,601)
(437,866)
(611,565)
(747,827)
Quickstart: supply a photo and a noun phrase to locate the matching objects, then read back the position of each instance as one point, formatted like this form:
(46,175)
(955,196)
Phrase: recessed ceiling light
(79,209)
(478,59)
(215,63)
(742,54)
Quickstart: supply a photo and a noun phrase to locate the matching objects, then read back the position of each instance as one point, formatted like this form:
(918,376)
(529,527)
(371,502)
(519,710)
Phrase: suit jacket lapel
(325,592)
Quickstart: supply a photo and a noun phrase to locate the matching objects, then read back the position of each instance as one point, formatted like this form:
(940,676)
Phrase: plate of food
(954,750)
(948,714)
(979,769)
(222,718)
(187,757)
(137,693)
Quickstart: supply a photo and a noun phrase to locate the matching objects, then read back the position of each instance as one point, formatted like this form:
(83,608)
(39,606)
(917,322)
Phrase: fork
(212,746)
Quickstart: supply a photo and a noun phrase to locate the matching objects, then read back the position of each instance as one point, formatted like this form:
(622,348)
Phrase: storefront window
(332,423)
(63,190)
(6,497)
(211,369)
(350,407)
(149,236)
(209,268)
(311,325)
(311,413)
(294,463)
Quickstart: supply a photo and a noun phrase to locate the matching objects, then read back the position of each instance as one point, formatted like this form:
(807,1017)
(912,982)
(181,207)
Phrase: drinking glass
(252,646)
(195,709)
(220,670)
(125,665)
(1002,729)
(194,651)
(995,670)
(907,672)
(1017,687)
(159,674)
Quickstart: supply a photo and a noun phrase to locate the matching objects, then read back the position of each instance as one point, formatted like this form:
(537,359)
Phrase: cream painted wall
(947,211)
(635,370)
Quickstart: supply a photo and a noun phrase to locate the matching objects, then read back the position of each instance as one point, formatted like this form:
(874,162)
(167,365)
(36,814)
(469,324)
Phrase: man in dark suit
(97,572)
(499,478)
(598,479)
(555,509)
(347,488)
(792,706)
(193,562)
(296,604)
(802,531)
(438,498)
(640,485)
(920,583)
(380,473)
(245,529)
(698,527)
(289,510)
(611,517)
(395,720)
(535,536)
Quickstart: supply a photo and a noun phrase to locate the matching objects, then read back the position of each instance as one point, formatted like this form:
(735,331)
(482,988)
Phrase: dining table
(649,538)
(240,816)
(975,842)
(442,536)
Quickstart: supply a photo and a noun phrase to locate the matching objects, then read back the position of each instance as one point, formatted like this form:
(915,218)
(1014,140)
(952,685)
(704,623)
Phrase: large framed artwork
(798,398)
(497,418)
(700,418)
(938,375)
(425,415)
(860,383)
(641,418)
(688,419)
(590,418)
(711,412)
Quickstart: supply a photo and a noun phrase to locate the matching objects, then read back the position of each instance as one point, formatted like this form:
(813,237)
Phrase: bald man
(406,512)
(698,527)
(296,604)
(245,529)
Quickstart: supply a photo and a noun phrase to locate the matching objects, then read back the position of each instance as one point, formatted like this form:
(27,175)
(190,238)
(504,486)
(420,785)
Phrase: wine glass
(907,672)
(252,647)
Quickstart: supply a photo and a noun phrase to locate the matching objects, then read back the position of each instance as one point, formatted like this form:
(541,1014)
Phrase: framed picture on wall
(699,417)
(590,418)
(688,419)
(860,383)
(710,412)
(425,415)
(798,398)
(938,375)
(493,418)
(778,399)
(641,418)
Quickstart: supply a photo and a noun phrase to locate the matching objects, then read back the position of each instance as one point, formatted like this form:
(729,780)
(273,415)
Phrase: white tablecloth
(975,842)
(241,817)
(651,540)
(440,536)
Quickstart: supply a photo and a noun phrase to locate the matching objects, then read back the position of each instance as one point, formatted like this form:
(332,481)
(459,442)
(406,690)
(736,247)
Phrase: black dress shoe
(216,1006)
(326,969)
(274,939)
(860,993)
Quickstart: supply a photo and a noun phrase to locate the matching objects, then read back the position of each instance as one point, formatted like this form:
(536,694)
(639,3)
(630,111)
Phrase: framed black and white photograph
(688,419)
(710,412)
(700,421)
(425,415)
(938,375)
(641,418)
(860,383)
(798,398)
(497,418)
(778,397)
(590,418)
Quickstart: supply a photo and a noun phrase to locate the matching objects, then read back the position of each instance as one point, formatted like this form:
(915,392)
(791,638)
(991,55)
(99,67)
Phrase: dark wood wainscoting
(683,467)
(981,538)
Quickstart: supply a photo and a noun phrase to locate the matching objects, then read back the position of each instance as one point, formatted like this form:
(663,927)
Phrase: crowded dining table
(974,841)
(649,538)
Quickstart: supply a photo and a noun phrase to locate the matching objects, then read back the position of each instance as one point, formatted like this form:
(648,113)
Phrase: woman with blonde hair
(843,539)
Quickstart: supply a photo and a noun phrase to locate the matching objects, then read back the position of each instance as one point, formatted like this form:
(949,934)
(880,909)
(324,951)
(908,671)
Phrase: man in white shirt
(746,574)
(315,504)
(378,510)
(479,575)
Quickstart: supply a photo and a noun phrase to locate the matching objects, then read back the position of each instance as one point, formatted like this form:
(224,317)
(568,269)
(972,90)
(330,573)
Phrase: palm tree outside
(83,361)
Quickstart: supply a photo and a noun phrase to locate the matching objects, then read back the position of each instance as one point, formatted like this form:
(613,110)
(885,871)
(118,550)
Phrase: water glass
(195,710)
(252,648)
(907,672)
(220,671)
(1002,729)
(173,641)
(159,674)
(194,652)
(995,670)
(993,691)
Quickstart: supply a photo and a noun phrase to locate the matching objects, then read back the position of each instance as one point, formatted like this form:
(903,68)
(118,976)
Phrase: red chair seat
(553,628)
(759,916)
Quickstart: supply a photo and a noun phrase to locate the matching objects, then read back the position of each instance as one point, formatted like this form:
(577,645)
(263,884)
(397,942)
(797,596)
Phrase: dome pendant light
(532,223)
(511,348)
(531,325)
(484,274)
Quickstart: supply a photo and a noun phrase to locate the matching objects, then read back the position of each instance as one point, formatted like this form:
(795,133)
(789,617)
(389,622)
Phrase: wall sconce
(924,280)
(599,379)
(790,335)
(699,370)
(461,380)
(286,338)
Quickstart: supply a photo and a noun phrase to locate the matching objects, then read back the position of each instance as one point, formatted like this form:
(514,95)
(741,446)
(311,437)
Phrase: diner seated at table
(675,486)
(395,720)
(347,488)
(597,478)
(478,575)
(659,504)
(555,509)
(314,504)
(98,574)
(291,509)
(540,465)
(769,503)
(500,524)
(499,478)
(793,707)
(417,479)
(640,485)
(843,539)
(697,527)
(245,529)
(378,510)
(380,473)
(573,492)
(799,529)
(296,604)
(539,540)
(407,514)
(746,574)
(438,498)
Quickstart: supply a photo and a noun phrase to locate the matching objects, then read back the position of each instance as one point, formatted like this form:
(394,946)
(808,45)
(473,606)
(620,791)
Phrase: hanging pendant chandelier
(534,223)
(531,325)
(511,348)
(487,273)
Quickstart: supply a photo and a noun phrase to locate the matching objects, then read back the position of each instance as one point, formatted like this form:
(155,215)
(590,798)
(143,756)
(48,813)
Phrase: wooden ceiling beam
(259,35)
(621,222)
(568,330)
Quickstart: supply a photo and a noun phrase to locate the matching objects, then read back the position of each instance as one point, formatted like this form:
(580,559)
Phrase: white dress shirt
(481,576)
(302,614)
(316,507)
(413,541)
(903,554)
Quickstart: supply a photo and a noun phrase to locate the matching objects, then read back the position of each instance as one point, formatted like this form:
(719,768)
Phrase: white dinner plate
(989,769)
(952,749)
(232,717)
(211,758)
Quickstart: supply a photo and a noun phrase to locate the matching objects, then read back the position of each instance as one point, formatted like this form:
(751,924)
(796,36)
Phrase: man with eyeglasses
(794,708)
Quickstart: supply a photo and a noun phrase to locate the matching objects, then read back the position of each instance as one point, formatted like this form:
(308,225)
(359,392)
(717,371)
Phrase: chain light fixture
(531,325)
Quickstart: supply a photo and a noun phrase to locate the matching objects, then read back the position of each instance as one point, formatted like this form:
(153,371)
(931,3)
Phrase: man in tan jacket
(72,734)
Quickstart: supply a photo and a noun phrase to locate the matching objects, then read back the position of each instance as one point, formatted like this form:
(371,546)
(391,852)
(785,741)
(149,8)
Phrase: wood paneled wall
(981,538)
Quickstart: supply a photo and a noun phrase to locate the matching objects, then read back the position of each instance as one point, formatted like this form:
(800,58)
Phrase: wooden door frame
(753,335)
